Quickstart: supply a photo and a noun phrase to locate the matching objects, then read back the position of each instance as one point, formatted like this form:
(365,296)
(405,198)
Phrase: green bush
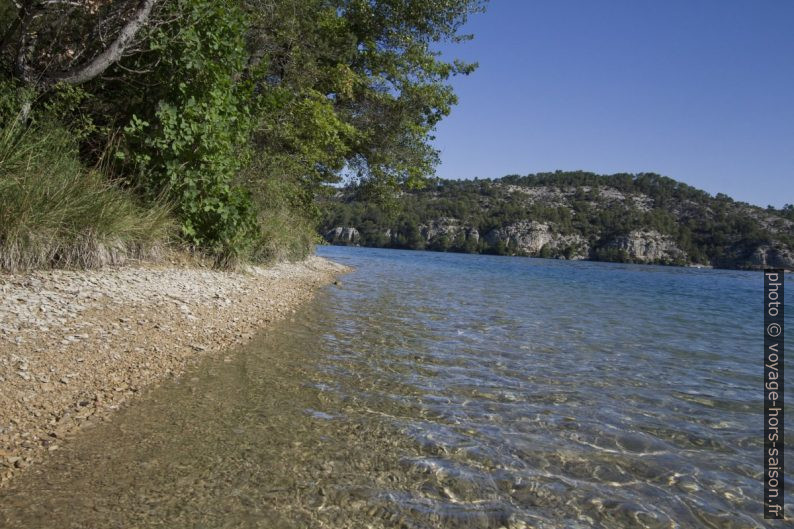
(194,141)
(55,212)
(284,237)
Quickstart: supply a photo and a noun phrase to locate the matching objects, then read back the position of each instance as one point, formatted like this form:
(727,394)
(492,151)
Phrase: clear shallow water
(443,390)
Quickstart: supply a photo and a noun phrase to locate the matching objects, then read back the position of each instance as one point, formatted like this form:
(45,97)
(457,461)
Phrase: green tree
(239,111)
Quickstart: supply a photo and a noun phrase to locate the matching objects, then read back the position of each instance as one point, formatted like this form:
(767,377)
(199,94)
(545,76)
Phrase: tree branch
(112,53)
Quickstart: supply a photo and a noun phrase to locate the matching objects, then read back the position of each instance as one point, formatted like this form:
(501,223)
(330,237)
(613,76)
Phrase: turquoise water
(445,390)
(621,395)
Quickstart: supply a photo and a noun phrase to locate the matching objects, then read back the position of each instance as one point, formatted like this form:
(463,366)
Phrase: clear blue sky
(698,90)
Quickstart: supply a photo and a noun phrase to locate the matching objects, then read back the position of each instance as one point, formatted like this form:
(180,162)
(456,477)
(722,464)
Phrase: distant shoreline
(676,265)
(577,215)
(76,345)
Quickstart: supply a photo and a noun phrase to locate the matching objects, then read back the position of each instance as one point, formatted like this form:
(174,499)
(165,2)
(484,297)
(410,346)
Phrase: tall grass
(286,231)
(284,237)
(55,212)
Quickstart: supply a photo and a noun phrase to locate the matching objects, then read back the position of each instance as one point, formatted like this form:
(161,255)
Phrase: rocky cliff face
(538,239)
(641,218)
(448,228)
(340,235)
(770,257)
(648,246)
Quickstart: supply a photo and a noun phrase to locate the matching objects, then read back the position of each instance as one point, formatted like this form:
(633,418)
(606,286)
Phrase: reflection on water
(435,390)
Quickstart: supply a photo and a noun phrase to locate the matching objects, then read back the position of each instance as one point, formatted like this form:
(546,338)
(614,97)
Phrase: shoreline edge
(77,345)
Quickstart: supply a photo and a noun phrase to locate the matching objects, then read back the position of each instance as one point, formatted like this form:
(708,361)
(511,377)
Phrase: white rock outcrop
(648,246)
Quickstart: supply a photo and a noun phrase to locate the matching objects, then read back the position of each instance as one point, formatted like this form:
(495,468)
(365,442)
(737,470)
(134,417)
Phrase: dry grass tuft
(54,212)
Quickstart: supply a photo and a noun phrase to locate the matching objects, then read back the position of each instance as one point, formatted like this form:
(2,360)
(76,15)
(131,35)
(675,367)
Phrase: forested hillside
(130,125)
(643,218)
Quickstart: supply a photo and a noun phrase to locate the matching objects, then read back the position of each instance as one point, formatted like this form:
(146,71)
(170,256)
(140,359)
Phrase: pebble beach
(77,345)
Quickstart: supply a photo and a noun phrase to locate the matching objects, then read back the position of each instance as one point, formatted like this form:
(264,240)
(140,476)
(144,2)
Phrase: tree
(69,41)
(367,73)
(209,102)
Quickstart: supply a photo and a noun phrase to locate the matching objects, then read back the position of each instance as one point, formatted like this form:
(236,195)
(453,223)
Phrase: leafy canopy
(207,102)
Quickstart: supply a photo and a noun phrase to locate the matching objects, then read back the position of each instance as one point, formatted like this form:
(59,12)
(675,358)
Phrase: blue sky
(698,90)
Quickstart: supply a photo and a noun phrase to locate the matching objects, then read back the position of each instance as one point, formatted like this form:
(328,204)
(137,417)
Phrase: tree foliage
(207,102)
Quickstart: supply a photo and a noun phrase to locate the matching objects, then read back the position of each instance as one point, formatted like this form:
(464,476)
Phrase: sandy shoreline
(74,346)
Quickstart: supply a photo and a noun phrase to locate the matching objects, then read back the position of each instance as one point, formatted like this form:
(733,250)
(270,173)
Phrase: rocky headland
(643,218)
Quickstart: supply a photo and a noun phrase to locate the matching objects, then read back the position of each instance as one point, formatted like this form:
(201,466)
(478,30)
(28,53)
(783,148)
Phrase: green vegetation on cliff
(221,119)
(572,215)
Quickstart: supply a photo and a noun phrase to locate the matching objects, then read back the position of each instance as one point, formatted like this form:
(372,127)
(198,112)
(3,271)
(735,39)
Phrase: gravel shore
(75,345)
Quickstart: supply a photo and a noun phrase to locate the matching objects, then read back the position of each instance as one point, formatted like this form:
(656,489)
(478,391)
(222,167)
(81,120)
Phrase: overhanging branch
(111,54)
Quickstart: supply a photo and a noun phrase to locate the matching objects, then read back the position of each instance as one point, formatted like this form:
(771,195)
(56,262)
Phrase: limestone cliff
(343,235)
(648,246)
(640,218)
(537,239)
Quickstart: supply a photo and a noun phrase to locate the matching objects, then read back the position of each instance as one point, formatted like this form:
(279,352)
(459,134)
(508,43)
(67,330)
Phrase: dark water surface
(442,390)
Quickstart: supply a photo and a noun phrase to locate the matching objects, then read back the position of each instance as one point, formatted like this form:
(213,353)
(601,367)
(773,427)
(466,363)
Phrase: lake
(447,390)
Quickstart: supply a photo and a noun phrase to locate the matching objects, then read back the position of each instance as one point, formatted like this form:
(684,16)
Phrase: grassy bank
(57,213)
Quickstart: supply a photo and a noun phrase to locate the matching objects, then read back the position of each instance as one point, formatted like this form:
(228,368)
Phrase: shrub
(192,143)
